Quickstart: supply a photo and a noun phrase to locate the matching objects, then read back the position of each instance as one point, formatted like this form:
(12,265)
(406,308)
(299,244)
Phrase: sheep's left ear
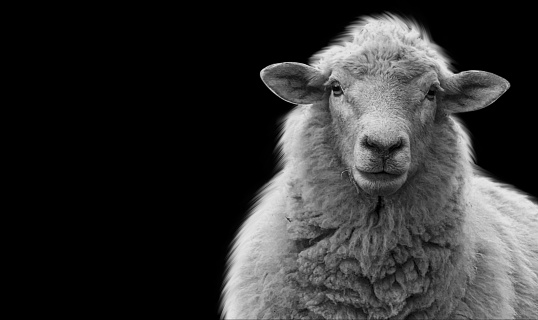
(471,90)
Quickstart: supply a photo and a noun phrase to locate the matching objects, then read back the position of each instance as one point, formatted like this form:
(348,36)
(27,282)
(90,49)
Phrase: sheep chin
(379,184)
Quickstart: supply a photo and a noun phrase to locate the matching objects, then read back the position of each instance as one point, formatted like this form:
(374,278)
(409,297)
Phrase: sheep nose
(382,146)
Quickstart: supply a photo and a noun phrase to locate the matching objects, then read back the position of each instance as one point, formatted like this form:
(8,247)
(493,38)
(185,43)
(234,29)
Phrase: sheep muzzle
(381,161)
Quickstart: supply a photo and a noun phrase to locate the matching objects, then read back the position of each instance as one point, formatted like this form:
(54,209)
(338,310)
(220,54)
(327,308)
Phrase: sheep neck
(378,257)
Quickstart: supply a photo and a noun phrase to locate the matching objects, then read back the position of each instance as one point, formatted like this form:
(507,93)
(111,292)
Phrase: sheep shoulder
(504,224)
(257,255)
(263,252)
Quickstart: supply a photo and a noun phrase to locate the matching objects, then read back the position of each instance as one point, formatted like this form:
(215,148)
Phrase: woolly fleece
(452,244)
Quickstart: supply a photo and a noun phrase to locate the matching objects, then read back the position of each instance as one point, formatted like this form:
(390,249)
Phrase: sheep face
(383,123)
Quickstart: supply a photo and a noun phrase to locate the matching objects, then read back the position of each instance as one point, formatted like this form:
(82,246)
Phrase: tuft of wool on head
(384,42)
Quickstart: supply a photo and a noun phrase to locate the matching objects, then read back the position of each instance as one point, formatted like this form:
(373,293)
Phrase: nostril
(370,143)
(382,146)
(396,145)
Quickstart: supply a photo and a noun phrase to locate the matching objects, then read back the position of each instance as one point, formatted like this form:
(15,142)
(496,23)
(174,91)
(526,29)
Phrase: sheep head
(385,90)
(382,123)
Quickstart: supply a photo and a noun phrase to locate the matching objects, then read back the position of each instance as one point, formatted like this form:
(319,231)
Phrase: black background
(235,156)
(152,131)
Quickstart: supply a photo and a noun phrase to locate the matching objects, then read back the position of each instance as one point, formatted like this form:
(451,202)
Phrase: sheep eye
(336,89)
(431,94)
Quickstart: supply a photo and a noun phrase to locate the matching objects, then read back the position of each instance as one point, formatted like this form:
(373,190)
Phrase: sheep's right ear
(295,82)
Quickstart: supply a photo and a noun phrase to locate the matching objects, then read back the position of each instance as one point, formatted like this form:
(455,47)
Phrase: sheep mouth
(379,176)
(380,183)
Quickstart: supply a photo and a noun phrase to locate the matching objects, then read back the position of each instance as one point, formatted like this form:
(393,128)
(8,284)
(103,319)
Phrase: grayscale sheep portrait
(379,211)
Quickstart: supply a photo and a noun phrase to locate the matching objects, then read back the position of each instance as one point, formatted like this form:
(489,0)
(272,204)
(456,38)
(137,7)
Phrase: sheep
(379,211)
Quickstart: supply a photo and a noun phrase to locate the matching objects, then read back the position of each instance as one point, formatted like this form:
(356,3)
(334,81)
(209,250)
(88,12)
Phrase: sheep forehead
(387,44)
(379,94)
(382,94)
(362,84)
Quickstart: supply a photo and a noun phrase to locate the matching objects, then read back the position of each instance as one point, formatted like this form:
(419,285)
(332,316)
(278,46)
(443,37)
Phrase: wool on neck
(360,256)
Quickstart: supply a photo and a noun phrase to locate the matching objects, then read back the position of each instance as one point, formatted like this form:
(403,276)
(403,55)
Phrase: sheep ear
(471,90)
(295,82)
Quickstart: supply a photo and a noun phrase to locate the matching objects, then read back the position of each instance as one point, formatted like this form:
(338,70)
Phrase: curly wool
(452,243)
(371,256)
